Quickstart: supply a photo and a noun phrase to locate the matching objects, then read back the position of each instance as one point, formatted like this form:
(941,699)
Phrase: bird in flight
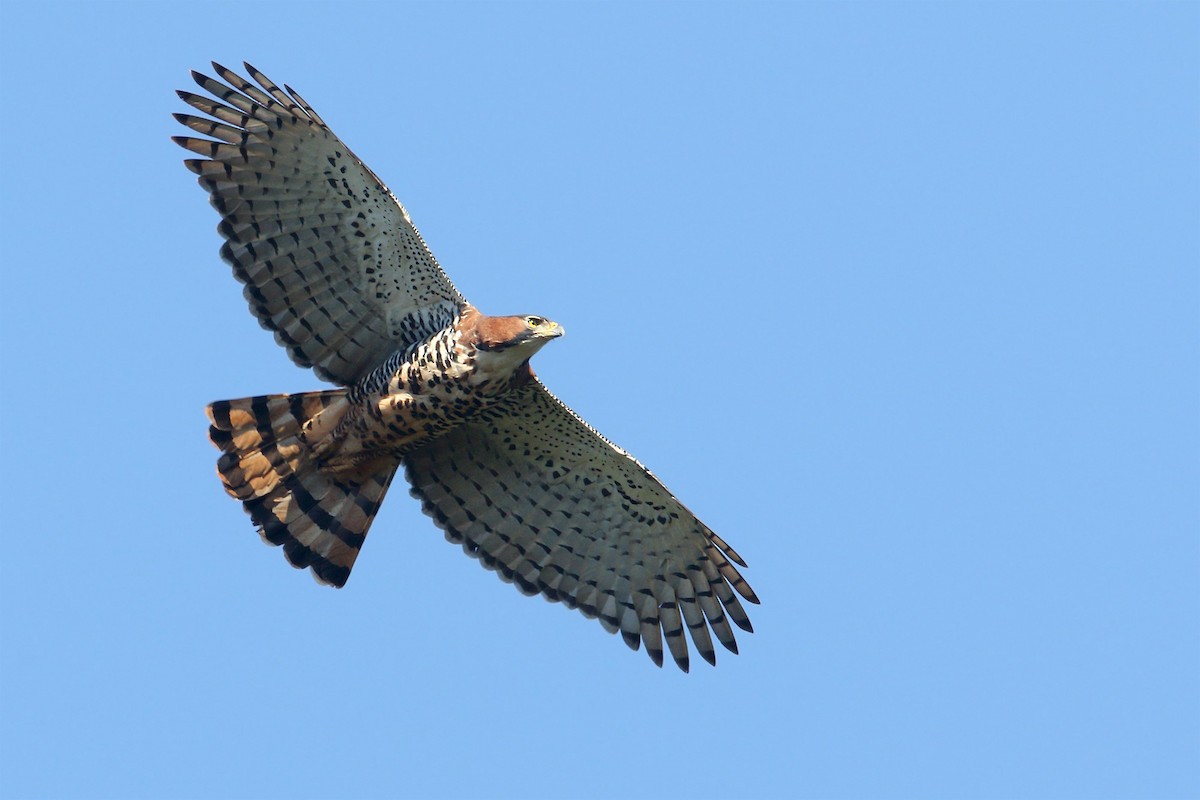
(332,264)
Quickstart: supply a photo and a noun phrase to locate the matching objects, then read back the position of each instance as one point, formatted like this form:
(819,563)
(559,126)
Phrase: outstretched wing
(330,259)
(539,496)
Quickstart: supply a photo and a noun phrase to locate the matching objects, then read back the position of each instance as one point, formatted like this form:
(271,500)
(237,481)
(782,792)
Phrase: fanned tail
(267,463)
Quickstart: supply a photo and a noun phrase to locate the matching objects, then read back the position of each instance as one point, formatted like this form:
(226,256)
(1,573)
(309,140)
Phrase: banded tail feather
(267,462)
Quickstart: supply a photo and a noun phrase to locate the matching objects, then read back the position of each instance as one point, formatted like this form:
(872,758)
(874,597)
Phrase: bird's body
(421,392)
(333,265)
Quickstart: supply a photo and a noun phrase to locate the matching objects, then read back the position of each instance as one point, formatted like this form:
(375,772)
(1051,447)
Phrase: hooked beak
(548,329)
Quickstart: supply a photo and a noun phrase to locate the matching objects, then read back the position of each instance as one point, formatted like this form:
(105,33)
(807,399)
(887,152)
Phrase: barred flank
(320,519)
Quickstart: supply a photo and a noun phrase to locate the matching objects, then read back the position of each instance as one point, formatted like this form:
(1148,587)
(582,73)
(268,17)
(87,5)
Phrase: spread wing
(539,496)
(330,260)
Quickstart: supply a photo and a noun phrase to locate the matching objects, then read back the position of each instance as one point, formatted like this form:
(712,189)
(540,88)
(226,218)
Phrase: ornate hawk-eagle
(332,264)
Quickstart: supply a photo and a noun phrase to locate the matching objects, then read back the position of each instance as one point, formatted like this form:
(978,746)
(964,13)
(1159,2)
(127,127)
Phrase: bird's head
(505,343)
(527,333)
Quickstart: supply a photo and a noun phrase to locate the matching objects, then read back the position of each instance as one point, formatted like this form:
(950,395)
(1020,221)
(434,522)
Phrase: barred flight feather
(565,538)
(319,519)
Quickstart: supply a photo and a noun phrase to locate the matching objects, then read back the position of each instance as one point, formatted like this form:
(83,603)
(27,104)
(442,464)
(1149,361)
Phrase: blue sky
(902,299)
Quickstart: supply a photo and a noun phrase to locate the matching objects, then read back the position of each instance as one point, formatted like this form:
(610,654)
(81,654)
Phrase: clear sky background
(901,299)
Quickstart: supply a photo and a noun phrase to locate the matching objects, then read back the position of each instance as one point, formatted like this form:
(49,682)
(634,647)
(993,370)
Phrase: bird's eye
(535,322)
